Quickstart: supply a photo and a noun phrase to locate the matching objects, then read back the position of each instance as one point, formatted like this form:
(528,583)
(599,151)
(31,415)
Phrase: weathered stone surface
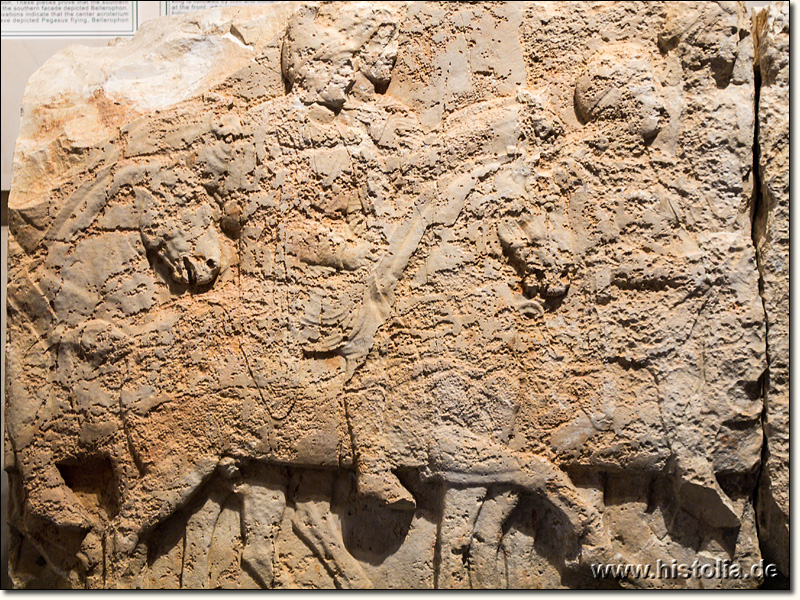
(771,234)
(392,295)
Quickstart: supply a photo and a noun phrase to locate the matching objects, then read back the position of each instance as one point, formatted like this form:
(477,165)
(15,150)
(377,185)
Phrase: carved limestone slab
(402,295)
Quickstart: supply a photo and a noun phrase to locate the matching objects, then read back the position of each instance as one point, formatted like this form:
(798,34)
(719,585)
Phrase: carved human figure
(318,249)
(627,127)
(188,211)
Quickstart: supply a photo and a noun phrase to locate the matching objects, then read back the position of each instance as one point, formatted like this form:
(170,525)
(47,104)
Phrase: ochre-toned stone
(771,235)
(402,295)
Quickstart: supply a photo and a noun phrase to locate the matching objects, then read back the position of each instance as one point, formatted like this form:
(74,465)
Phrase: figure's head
(618,84)
(327,48)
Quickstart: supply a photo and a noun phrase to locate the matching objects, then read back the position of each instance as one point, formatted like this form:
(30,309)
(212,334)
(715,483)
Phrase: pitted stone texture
(388,295)
(771,233)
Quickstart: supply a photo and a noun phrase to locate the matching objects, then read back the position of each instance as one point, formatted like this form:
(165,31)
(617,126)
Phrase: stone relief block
(403,295)
(771,236)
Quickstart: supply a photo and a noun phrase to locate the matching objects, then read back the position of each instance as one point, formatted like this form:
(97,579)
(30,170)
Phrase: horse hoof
(386,489)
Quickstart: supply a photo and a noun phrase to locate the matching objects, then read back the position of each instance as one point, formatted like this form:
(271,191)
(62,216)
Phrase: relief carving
(401,295)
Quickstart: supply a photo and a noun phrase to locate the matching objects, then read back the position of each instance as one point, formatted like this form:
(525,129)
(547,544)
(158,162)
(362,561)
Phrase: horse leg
(486,538)
(320,532)
(464,458)
(469,536)
(146,505)
(460,506)
(374,478)
(264,502)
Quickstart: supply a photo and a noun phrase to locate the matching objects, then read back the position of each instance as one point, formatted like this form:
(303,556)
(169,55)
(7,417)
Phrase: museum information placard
(45,19)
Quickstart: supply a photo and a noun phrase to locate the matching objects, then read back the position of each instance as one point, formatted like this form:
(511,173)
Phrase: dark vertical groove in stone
(183,561)
(759,207)
(437,548)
